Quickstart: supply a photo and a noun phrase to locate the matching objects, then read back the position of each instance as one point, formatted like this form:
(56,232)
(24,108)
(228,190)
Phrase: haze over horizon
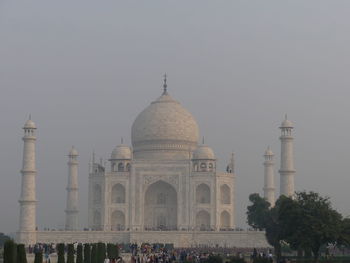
(85,69)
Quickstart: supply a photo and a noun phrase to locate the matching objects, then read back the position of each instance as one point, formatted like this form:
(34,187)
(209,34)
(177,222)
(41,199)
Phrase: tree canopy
(305,222)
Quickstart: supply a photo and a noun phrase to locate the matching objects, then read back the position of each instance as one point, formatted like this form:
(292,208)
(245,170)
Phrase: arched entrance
(203,194)
(225,220)
(160,209)
(225,194)
(203,221)
(118,194)
(118,221)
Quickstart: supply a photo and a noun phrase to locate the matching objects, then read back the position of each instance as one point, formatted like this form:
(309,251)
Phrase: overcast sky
(85,69)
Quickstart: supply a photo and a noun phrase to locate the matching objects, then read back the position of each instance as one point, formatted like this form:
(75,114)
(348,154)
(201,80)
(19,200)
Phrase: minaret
(269,184)
(72,191)
(27,218)
(287,171)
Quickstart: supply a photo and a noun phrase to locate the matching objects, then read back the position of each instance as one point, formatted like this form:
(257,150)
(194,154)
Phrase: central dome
(164,130)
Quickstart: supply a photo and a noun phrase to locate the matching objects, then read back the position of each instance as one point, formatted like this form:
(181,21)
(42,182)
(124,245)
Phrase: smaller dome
(73,152)
(287,123)
(268,152)
(121,152)
(29,124)
(203,152)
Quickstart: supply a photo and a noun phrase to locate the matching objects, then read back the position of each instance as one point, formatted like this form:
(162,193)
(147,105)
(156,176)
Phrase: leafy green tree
(260,216)
(10,252)
(60,253)
(21,254)
(344,238)
(79,253)
(257,211)
(70,253)
(87,253)
(310,222)
(38,257)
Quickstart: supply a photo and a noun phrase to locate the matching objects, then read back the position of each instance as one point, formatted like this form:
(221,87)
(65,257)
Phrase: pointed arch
(225,219)
(97,197)
(97,220)
(203,194)
(160,209)
(203,221)
(118,221)
(225,194)
(118,194)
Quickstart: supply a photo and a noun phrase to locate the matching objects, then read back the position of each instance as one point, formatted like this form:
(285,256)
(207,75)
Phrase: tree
(38,257)
(101,252)
(261,217)
(79,253)
(87,253)
(21,254)
(94,254)
(10,252)
(344,238)
(257,212)
(60,253)
(70,253)
(112,251)
(310,222)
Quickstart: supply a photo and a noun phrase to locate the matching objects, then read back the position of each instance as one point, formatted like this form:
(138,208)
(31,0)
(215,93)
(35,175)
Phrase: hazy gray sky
(85,69)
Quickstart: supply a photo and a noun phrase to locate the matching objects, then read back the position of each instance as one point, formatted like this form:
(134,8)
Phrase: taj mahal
(165,188)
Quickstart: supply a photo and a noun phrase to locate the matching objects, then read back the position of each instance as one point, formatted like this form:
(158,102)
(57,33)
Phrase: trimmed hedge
(10,252)
(21,254)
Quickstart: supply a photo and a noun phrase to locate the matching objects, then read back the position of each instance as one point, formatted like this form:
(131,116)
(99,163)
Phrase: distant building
(165,188)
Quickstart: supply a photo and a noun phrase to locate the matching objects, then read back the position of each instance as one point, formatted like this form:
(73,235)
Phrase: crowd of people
(158,253)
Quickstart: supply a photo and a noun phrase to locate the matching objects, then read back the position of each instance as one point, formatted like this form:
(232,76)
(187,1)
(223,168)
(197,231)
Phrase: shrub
(261,260)
(70,253)
(38,257)
(60,253)
(10,252)
(79,253)
(112,251)
(94,254)
(87,253)
(21,254)
(101,252)
(214,259)
(236,260)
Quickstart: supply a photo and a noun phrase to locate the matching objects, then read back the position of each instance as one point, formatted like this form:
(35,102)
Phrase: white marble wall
(178,238)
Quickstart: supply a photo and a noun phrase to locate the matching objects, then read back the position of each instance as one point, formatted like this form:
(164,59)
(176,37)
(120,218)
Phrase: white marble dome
(73,152)
(203,152)
(286,123)
(29,124)
(164,126)
(269,152)
(121,152)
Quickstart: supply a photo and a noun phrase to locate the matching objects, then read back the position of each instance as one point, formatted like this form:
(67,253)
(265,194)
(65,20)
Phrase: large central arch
(160,209)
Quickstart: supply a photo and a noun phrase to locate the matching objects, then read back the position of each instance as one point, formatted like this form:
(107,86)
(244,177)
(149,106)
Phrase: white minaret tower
(72,191)
(27,218)
(287,171)
(269,180)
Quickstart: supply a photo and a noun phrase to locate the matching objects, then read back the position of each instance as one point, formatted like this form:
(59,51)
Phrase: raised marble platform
(178,238)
